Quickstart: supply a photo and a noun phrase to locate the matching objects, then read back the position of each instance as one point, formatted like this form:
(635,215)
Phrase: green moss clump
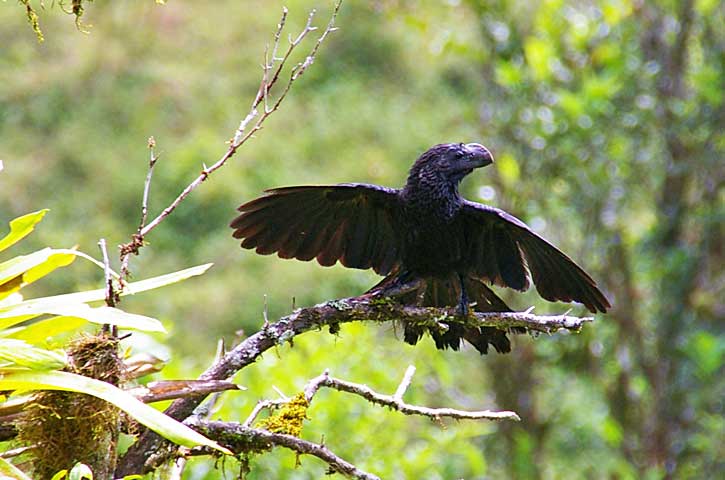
(65,427)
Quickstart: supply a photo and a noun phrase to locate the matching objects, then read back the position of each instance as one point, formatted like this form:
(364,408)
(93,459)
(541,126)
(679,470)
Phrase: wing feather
(350,223)
(503,248)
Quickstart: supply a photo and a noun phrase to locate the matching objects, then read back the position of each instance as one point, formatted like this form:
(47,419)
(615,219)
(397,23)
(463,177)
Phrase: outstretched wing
(352,223)
(501,248)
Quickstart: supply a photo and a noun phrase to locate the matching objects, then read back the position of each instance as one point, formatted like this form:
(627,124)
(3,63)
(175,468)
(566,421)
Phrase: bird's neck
(432,195)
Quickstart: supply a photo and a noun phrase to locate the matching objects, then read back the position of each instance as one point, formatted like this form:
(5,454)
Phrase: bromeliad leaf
(150,417)
(25,269)
(16,314)
(17,353)
(128,289)
(10,471)
(21,227)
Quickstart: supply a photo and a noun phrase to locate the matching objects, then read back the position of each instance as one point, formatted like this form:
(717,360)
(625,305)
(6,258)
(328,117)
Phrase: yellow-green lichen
(289,418)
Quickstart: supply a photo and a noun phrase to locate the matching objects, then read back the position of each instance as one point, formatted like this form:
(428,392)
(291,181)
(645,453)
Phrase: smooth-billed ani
(424,230)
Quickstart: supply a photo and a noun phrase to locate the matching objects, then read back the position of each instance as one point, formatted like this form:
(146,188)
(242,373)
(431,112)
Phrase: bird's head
(449,162)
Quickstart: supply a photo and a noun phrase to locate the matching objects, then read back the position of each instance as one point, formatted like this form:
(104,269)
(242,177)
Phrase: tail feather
(446,292)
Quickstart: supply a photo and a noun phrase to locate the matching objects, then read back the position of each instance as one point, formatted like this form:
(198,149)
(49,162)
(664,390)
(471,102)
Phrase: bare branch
(147,183)
(245,132)
(240,439)
(263,405)
(395,401)
(110,292)
(137,239)
(325,380)
(404,383)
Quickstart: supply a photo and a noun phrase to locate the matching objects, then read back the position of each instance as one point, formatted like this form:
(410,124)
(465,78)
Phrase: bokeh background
(606,119)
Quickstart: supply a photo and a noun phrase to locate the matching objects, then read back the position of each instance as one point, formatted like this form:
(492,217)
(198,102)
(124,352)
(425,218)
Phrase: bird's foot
(463,309)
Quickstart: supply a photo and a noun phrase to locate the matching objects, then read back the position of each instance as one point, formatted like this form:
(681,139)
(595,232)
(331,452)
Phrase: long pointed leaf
(21,227)
(10,471)
(130,289)
(158,422)
(40,332)
(18,353)
(100,315)
(25,269)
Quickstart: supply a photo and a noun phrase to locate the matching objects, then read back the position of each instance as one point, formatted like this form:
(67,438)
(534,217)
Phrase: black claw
(463,305)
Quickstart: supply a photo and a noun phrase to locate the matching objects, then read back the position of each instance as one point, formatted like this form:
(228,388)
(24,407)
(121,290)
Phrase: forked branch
(332,314)
(252,122)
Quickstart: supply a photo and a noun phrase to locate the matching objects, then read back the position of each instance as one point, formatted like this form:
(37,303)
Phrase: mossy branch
(241,439)
(365,308)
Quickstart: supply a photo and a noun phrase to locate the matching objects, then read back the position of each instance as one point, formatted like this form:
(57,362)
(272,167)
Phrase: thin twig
(111,294)
(396,402)
(244,133)
(325,380)
(147,183)
(263,405)
(137,239)
(202,412)
(404,384)
(176,470)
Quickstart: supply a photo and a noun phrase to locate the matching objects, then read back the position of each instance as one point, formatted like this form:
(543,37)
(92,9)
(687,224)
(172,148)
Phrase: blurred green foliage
(606,119)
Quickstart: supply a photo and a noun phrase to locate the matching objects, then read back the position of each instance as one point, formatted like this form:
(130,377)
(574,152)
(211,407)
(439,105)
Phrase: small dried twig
(238,438)
(147,184)
(111,293)
(137,238)
(263,405)
(404,384)
(253,118)
(111,296)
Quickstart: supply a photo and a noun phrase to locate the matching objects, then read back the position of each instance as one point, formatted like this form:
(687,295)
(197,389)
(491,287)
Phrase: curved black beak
(478,155)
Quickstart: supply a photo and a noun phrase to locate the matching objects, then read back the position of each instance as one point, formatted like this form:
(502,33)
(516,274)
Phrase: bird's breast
(433,244)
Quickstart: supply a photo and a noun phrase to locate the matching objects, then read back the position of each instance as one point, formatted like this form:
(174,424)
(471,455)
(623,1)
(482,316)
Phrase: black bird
(424,230)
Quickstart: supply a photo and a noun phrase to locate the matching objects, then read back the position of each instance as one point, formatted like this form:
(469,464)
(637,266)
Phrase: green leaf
(10,471)
(101,315)
(21,227)
(40,332)
(72,306)
(25,269)
(80,471)
(129,289)
(165,426)
(21,354)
